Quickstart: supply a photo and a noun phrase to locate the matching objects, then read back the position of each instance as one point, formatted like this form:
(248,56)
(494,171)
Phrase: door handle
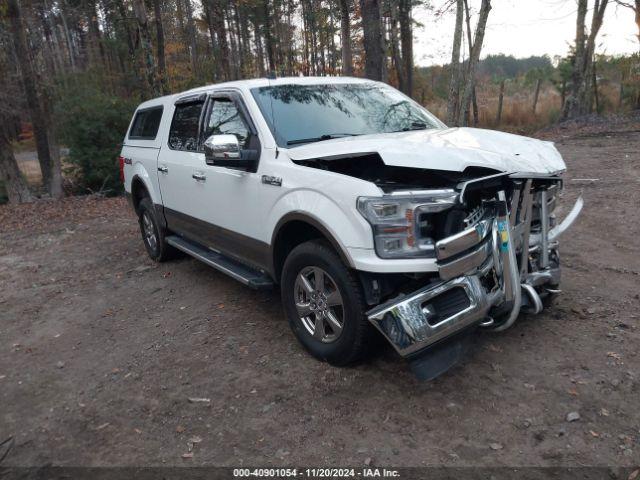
(163,169)
(201,177)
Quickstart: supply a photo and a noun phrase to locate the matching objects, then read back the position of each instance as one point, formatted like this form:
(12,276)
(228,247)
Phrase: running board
(244,274)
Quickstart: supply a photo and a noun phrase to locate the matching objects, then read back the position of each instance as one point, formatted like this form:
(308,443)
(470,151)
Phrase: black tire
(357,334)
(159,250)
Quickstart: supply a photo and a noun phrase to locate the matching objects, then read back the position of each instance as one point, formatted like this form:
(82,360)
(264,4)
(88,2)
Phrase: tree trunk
(637,12)
(217,19)
(191,34)
(536,95)
(454,82)
(371,26)
(500,104)
(475,55)
(259,49)
(268,37)
(472,102)
(40,120)
(577,101)
(345,36)
(14,183)
(96,50)
(594,80)
(162,69)
(394,39)
(406,43)
(147,49)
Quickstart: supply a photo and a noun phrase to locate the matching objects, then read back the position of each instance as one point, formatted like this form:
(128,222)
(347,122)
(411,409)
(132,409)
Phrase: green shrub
(92,124)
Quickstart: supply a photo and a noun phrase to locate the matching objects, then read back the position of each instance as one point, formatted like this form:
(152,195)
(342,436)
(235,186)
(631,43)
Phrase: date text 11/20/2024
(367,472)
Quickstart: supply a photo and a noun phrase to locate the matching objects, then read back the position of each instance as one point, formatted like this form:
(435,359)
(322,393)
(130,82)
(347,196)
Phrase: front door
(231,196)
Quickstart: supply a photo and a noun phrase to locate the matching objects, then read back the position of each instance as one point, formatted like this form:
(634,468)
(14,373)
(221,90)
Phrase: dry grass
(517,112)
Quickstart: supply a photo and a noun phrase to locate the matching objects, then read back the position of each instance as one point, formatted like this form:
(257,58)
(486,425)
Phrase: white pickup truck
(367,211)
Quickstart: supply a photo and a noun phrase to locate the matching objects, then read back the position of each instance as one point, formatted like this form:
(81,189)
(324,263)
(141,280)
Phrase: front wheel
(324,305)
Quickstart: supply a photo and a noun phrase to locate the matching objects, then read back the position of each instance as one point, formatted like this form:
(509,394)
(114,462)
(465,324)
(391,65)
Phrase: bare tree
(374,67)
(345,36)
(454,82)
(40,118)
(577,102)
(475,57)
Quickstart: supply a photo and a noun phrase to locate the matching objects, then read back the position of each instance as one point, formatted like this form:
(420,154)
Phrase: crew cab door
(178,161)
(232,198)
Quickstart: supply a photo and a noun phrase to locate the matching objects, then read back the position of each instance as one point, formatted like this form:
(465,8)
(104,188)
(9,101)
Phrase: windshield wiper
(327,136)
(415,126)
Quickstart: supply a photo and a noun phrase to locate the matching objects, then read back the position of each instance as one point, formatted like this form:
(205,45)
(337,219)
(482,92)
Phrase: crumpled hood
(452,149)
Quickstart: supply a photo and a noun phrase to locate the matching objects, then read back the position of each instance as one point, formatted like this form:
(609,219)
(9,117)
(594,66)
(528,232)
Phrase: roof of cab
(254,83)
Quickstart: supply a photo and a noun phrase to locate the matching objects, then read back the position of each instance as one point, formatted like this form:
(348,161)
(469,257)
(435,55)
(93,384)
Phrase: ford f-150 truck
(365,209)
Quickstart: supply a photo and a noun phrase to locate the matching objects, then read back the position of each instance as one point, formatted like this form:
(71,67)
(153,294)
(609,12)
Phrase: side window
(183,134)
(225,118)
(146,123)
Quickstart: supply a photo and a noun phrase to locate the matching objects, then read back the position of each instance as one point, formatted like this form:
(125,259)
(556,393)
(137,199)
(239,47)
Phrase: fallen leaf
(187,455)
(573,392)
(573,417)
(594,434)
(137,430)
(633,475)
(180,429)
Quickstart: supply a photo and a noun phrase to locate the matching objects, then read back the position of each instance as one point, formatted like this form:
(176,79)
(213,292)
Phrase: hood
(452,149)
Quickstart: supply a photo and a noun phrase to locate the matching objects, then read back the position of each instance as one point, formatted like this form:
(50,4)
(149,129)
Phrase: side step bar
(244,274)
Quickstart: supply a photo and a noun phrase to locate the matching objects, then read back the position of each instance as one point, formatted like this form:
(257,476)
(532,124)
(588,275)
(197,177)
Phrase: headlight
(402,225)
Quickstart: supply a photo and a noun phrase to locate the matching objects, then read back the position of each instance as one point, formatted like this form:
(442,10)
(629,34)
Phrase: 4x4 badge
(269,180)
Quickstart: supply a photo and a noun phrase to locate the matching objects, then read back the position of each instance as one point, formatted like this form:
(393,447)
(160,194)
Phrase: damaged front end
(495,241)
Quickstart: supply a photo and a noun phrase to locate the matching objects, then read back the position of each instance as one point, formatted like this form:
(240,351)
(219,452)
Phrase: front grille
(447,304)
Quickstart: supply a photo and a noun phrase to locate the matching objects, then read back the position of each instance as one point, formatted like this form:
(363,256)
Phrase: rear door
(178,160)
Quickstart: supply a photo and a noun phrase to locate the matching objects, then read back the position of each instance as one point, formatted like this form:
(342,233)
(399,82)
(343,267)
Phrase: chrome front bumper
(479,274)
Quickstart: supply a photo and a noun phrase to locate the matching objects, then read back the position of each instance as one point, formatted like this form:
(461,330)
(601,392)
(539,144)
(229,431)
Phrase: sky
(525,27)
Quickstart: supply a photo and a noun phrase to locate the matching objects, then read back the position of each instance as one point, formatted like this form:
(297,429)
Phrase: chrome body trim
(404,322)
(458,243)
(568,221)
(466,263)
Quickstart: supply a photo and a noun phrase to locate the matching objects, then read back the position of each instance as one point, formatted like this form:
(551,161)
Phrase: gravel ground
(104,355)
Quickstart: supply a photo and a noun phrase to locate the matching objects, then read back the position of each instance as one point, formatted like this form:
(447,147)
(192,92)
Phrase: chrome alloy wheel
(149,231)
(319,304)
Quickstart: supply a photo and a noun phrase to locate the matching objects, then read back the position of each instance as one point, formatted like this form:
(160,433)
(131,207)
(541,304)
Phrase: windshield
(310,113)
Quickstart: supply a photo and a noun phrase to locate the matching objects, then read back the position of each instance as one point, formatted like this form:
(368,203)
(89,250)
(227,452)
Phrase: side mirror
(221,147)
(224,151)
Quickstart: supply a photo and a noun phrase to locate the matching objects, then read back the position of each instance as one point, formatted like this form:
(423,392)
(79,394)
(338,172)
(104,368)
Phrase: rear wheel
(153,235)
(324,305)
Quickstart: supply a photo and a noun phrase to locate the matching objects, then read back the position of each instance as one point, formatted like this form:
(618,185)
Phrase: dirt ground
(101,351)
